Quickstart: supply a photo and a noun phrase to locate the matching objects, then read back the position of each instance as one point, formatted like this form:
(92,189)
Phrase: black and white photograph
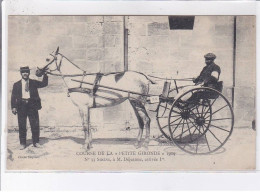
(131,93)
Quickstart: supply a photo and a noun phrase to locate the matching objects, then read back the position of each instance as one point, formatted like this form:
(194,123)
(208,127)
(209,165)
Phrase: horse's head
(51,66)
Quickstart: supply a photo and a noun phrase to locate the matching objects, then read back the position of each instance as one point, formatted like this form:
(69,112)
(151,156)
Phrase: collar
(23,81)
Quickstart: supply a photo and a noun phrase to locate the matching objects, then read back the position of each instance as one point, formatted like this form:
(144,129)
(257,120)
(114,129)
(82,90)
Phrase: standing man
(25,102)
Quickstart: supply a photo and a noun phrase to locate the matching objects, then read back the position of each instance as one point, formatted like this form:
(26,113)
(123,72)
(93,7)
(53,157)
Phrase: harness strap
(95,87)
(81,90)
(84,74)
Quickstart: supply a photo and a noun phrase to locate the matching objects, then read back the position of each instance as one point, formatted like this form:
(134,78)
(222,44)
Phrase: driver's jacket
(206,75)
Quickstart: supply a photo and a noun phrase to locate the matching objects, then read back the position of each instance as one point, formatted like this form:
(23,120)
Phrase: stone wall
(245,89)
(96,44)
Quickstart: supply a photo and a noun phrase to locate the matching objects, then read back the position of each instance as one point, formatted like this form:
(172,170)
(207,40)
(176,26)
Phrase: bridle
(58,67)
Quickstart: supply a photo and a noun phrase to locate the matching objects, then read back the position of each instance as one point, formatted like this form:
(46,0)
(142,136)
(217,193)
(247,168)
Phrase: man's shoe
(37,145)
(22,147)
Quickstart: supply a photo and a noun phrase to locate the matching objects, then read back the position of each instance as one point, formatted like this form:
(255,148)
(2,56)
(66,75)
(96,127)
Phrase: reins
(183,79)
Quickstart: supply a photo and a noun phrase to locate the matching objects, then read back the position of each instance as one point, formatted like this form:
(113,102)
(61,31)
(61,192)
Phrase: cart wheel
(163,111)
(205,121)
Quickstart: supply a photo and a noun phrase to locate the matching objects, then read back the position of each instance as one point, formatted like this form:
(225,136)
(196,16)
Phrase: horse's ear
(57,51)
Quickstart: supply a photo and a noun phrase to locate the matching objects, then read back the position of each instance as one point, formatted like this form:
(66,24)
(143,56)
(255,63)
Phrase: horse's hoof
(137,145)
(146,144)
(86,147)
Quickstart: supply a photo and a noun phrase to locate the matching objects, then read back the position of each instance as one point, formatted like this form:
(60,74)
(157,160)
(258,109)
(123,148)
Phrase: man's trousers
(23,112)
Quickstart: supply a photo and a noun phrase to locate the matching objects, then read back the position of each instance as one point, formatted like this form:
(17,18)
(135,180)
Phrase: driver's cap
(210,56)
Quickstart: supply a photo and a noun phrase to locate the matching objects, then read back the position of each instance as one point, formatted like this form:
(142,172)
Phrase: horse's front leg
(85,117)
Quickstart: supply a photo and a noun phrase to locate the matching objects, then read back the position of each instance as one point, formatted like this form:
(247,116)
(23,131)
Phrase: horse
(85,92)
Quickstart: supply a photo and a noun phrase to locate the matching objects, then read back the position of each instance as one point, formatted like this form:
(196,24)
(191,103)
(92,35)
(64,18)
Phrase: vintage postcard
(131,93)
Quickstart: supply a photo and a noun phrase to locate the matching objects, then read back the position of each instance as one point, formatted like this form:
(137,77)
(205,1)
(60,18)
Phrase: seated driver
(208,77)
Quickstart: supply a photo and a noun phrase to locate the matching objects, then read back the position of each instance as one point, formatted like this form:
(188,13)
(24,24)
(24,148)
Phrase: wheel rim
(204,131)
(163,111)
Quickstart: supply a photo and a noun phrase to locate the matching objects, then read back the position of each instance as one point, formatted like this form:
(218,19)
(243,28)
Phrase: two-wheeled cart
(198,121)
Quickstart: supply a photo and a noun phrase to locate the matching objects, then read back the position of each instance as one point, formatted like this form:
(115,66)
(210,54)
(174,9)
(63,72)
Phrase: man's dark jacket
(34,101)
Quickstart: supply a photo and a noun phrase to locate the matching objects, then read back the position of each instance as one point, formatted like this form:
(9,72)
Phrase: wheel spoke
(217,111)
(197,110)
(202,110)
(182,130)
(193,114)
(176,126)
(189,130)
(205,135)
(195,127)
(219,119)
(165,117)
(219,128)
(215,136)
(209,107)
(165,107)
(171,123)
(175,111)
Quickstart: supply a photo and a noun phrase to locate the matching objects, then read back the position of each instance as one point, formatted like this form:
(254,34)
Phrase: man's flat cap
(24,69)
(210,56)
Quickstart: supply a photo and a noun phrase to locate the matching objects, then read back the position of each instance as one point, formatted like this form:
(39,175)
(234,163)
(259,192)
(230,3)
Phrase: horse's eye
(47,60)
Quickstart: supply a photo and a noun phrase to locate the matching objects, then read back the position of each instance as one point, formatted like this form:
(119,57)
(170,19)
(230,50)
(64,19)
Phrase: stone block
(61,19)
(119,41)
(244,107)
(94,29)
(114,53)
(147,19)
(139,29)
(79,41)
(95,54)
(77,54)
(94,19)
(87,19)
(34,29)
(109,40)
(92,66)
(220,42)
(114,18)
(78,29)
(113,40)
(224,30)
(63,42)
(158,29)
(113,28)
(95,42)
(81,63)
(44,19)
(112,66)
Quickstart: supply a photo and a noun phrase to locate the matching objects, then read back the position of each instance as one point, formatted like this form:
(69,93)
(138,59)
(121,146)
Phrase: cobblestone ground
(114,150)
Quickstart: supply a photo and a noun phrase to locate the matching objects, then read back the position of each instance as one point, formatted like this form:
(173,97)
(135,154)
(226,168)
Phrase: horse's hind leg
(146,119)
(143,120)
(140,122)
(84,114)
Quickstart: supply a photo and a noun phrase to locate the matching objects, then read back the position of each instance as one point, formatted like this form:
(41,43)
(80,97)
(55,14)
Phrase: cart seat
(213,95)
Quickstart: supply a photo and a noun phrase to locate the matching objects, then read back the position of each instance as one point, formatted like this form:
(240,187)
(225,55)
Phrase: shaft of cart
(151,98)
